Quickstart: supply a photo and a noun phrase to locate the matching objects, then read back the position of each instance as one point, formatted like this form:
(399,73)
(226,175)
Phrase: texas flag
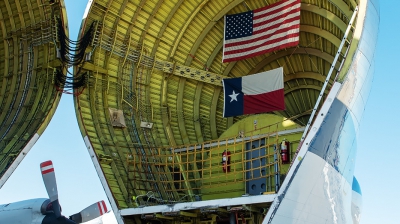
(253,94)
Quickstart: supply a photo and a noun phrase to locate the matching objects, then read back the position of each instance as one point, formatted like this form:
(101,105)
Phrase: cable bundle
(72,53)
(65,82)
(77,47)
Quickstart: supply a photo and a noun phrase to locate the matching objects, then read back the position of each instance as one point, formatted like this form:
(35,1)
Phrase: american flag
(260,31)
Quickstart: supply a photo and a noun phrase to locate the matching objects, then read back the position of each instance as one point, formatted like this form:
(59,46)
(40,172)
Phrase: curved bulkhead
(28,64)
(151,113)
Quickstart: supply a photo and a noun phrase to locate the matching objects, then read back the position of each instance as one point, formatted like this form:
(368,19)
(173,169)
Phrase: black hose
(70,54)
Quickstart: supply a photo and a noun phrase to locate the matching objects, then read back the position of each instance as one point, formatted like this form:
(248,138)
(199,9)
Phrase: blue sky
(376,166)
(62,142)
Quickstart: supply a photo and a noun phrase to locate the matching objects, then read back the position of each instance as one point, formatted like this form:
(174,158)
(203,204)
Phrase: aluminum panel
(306,182)
(369,36)
(353,85)
(335,137)
(356,202)
(328,201)
(366,89)
(375,3)
(291,209)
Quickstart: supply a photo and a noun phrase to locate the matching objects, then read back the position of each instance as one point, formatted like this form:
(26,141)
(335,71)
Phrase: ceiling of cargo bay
(154,71)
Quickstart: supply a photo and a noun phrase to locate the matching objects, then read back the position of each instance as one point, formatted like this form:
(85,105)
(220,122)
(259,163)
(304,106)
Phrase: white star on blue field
(233,96)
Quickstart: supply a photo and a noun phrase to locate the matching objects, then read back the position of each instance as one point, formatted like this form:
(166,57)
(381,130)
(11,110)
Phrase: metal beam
(324,13)
(213,114)
(304,75)
(322,33)
(210,26)
(94,68)
(185,26)
(308,51)
(196,113)
(237,140)
(258,199)
(180,111)
(315,87)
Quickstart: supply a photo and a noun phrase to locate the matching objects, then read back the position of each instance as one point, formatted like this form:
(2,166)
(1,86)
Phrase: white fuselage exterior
(23,212)
(318,187)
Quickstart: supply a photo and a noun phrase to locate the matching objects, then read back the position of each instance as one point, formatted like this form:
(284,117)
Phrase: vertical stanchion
(277,179)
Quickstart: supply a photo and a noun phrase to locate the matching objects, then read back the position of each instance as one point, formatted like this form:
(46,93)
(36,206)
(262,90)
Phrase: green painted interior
(143,58)
(28,97)
(160,62)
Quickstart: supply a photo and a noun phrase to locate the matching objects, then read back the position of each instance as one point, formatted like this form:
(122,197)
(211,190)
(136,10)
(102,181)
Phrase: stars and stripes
(261,31)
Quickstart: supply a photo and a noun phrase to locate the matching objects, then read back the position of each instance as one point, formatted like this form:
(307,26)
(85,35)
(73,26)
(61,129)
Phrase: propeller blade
(93,211)
(49,179)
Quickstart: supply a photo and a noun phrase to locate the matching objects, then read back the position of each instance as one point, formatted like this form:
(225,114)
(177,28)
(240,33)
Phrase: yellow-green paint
(235,181)
(200,169)
(276,122)
(191,33)
(27,105)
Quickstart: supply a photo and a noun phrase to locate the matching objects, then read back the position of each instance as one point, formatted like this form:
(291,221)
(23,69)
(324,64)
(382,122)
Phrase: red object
(285,152)
(102,207)
(47,167)
(226,161)
(252,94)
